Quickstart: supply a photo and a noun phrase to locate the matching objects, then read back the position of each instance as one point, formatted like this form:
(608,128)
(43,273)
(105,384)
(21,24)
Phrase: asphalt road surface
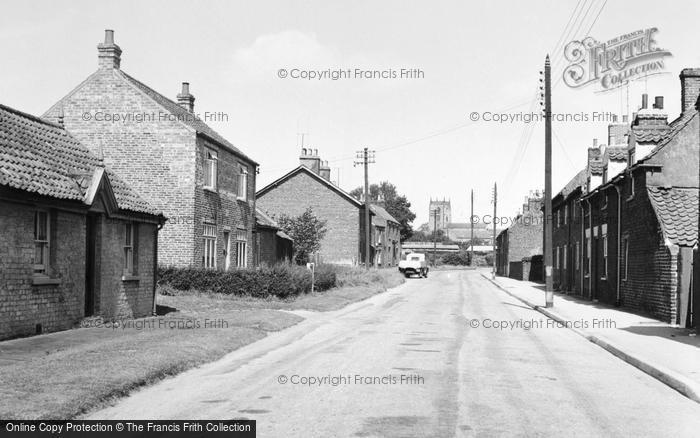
(413,362)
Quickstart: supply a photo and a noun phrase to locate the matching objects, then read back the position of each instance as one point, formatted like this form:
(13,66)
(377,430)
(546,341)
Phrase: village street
(413,362)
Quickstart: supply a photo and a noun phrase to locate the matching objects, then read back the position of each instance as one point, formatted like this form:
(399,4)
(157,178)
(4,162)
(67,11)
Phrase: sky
(473,57)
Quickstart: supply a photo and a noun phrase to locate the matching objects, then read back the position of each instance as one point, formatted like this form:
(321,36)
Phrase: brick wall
(222,207)
(292,197)
(117,298)
(23,305)
(651,282)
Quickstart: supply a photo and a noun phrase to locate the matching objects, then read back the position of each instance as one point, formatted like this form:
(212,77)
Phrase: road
(459,379)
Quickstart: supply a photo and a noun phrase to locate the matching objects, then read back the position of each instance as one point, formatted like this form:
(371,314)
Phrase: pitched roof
(40,157)
(311,173)
(577,181)
(676,126)
(381,212)
(677,211)
(184,116)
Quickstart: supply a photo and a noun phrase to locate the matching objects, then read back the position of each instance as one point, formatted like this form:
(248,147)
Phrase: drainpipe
(619,241)
(155,265)
(590,255)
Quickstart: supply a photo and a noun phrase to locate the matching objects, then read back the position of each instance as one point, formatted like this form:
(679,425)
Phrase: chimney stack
(309,158)
(108,53)
(645,99)
(690,88)
(185,99)
(325,171)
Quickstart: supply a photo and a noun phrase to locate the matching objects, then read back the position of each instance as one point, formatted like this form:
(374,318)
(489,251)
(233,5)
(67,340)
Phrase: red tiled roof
(185,116)
(40,157)
(677,211)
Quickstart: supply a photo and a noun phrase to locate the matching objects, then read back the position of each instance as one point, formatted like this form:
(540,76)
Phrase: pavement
(451,355)
(664,351)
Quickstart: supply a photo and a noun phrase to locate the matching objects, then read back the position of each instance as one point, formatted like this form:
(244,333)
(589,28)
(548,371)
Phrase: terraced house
(76,240)
(203,183)
(636,240)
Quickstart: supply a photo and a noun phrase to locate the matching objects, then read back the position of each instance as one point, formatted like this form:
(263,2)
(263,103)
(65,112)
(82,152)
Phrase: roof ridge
(31,117)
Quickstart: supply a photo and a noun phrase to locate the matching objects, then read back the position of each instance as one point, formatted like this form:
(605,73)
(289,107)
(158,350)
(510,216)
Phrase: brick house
(161,147)
(521,241)
(272,244)
(642,224)
(307,186)
(568,232)
(76,239)
(386,238)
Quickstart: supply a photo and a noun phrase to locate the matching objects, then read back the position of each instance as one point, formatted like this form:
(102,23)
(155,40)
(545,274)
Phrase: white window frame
(566,213)
(129,247)
(588,252)
(209,246)
(227,249)
(44,243)
(565,256)
(211,169)
(556,258)
(241,248)
(242,180)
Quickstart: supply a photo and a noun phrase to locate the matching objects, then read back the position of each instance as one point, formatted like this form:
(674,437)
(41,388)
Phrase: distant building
(309,185)
(386,248)
(440,214)
(522,240)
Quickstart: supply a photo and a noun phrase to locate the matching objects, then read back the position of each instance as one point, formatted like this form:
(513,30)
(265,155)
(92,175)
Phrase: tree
(307,230)
(396,205)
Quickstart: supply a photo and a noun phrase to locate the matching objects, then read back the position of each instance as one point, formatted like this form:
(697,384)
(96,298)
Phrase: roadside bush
(461,258)
(326,277)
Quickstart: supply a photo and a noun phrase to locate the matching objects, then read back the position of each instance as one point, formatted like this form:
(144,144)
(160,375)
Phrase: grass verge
(62,375)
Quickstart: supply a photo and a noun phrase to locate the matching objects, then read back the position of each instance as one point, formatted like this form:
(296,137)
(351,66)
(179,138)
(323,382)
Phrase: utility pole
(471,241)
(366,157)
(495,203)
(547,244)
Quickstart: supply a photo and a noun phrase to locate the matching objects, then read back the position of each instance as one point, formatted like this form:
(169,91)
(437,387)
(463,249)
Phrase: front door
(90,255)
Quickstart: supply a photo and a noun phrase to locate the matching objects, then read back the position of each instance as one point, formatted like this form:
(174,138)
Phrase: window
(227,250)
(41,242)
(577,257)
(565,255)
(604,236)
(210,170)
(241,249)
(556,258)
(625,255)
(631,187)
(605,202)
(129,244)
(566,213)
(243,183)
(209,239)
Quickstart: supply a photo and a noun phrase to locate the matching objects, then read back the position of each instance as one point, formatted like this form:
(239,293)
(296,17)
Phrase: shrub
(461,258)
(325,277)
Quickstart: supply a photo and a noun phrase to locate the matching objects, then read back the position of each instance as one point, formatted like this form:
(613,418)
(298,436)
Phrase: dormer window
(211,164)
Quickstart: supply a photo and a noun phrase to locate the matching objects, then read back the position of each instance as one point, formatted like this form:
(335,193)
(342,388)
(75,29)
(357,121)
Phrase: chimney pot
(645,99)
(624,118)
(659,102)
(595,142)
(185,99)
(108,53)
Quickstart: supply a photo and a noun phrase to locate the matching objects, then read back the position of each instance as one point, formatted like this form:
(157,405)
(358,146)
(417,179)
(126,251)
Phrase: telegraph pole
(366,157)
(471,246)
(547,246)
(495,202)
